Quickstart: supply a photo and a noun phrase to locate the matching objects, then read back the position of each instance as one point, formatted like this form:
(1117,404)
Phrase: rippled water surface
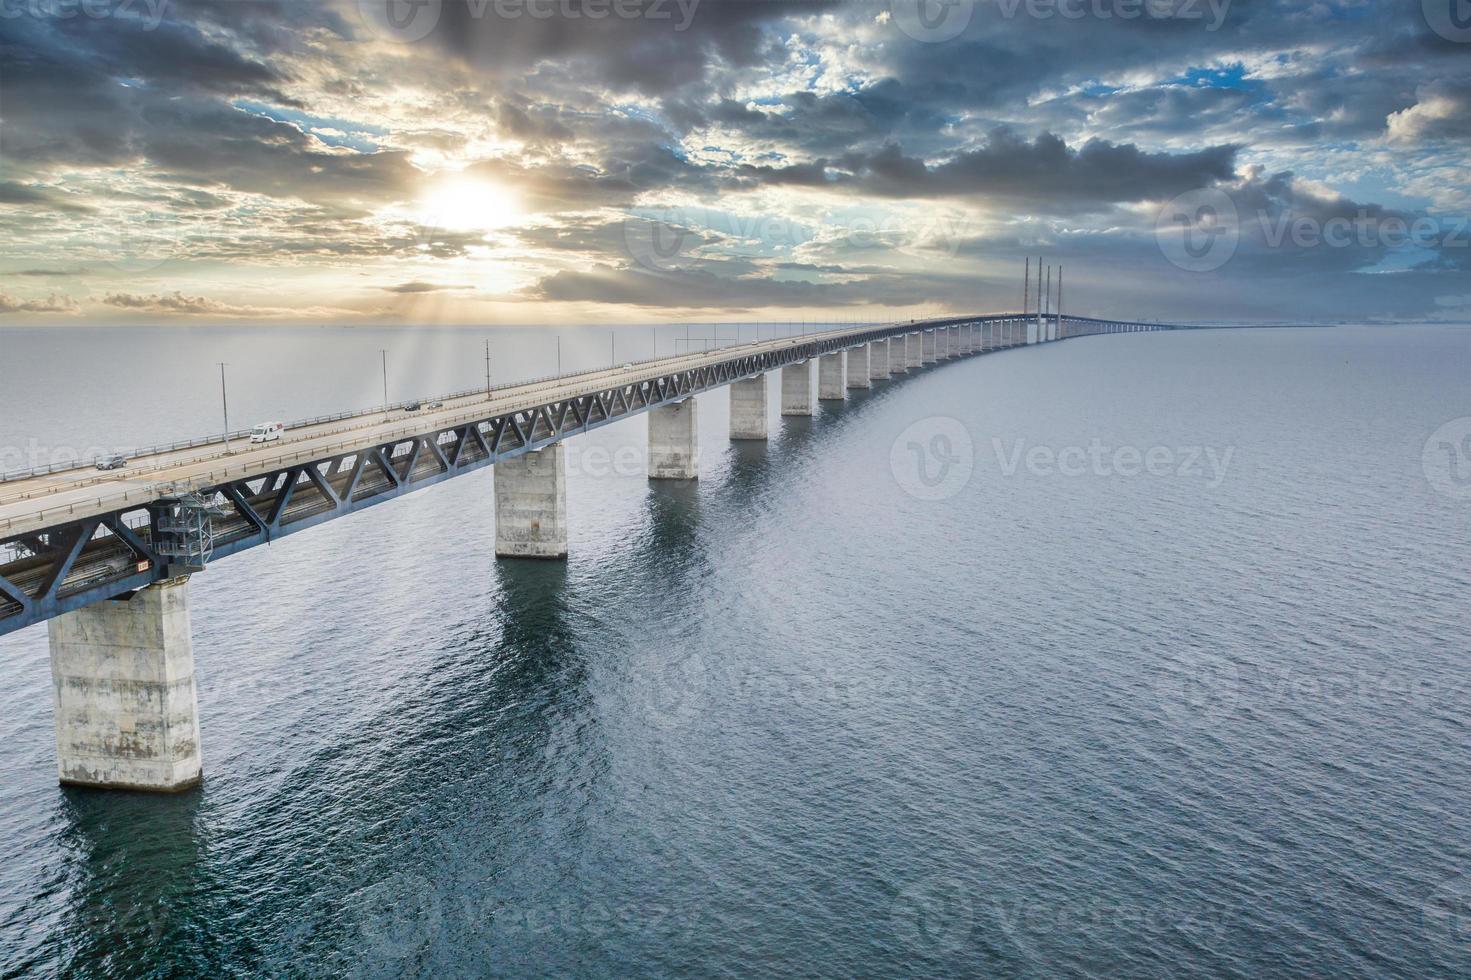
(1189,699)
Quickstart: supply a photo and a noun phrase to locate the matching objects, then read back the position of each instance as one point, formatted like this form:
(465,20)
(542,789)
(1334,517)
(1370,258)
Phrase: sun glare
(463,204)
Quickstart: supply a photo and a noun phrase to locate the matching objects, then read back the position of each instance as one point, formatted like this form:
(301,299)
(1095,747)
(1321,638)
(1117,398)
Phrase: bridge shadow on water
(136,857)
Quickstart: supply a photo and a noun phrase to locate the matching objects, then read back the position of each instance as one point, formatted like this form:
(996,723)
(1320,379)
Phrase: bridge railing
(142,495)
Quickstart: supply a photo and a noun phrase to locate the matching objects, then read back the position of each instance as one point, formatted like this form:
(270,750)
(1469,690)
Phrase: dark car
(411,406)
(112,461)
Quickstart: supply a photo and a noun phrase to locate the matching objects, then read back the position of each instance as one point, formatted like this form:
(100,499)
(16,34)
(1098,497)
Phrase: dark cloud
(1043,173)
(419,286)
(40,199)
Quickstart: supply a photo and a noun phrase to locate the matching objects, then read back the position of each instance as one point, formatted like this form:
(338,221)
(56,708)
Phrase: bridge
(104,557)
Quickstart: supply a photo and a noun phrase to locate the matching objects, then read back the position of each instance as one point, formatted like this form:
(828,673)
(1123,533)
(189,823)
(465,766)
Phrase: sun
(466,204)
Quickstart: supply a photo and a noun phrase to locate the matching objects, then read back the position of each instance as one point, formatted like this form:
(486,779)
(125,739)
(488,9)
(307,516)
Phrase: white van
(267,432)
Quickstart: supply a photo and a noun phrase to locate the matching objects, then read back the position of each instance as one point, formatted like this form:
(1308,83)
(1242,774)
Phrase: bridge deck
(41,501)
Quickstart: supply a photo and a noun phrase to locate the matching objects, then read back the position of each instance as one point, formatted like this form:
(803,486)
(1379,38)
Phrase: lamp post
(384,353)
(225,404)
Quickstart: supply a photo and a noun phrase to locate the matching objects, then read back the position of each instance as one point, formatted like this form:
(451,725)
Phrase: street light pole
(225,404)
(384,354)
(487,369)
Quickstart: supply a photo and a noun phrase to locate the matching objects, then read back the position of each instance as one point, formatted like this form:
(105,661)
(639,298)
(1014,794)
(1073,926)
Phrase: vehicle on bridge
(112,461)
(267,432)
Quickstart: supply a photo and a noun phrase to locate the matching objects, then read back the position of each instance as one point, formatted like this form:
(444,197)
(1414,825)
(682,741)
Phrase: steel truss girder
(300,496)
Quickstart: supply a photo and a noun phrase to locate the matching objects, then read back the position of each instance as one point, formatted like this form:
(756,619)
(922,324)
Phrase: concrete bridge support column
(898,362)
(531,504)
(927,339)
(878,360)
(913,351)
(748,408)
(858,367)
(122,680)
(968,338)
(831,377)
(674,441)
(942,343)
(954,347)
(796,389)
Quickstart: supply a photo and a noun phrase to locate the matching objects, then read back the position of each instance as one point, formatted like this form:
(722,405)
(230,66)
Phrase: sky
(629,161)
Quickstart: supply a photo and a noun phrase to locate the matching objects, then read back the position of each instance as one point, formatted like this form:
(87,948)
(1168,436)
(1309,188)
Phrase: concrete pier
(531,504)
(878,360)
(955,342)
(796,389)
(913,356)
(831,377)
(748,408)
(858,367)
(928,339)
(942,343)
(898,364)
(122,678)
(674,441)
